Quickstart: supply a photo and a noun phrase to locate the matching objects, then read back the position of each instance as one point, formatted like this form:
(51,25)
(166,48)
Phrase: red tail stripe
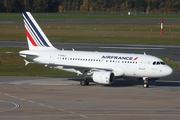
(30,38)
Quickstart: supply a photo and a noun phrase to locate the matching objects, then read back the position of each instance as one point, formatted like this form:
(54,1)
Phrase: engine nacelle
(103,77)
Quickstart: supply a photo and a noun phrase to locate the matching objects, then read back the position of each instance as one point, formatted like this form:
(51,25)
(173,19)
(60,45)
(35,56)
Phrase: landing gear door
(51,58)
(142,64)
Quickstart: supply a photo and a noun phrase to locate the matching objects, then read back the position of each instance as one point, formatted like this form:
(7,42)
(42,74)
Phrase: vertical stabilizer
(36,38)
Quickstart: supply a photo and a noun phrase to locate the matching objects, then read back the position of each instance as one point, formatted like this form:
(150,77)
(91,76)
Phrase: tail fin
(36,38)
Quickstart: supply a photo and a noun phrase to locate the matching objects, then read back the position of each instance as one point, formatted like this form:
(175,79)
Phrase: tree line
(89,5)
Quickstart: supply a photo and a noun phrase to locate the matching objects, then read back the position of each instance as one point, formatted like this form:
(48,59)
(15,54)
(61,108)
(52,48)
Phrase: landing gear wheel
(87,82)
(84,82)
(145,85)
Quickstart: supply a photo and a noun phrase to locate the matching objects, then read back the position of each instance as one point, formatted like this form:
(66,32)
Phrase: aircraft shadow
(126,83)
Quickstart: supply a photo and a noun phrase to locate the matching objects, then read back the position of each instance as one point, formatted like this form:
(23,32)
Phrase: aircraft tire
(84,82)
(145,85)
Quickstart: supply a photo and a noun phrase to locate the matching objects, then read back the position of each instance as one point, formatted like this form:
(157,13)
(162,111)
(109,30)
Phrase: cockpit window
(158,63)
(162,63)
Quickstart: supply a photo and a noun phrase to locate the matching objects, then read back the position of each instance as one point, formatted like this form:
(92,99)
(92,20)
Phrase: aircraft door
(142,64)
(102,61)
(51,58)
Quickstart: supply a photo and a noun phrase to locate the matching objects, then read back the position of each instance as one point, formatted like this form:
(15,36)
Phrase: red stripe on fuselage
(30,38)
(135,58)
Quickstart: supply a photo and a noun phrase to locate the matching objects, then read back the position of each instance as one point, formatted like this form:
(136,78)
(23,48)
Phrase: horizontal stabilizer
(27,62)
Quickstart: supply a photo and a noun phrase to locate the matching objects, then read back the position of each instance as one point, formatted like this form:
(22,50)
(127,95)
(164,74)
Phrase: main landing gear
(84,82)
(146,85)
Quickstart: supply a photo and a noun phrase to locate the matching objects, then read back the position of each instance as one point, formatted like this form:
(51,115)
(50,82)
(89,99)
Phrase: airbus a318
(102,67)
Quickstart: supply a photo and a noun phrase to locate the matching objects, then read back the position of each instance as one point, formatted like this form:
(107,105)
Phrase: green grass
(93,33)
(115,33)
(171,63)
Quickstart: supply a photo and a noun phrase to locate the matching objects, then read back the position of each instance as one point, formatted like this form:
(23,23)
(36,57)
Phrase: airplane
(101,67)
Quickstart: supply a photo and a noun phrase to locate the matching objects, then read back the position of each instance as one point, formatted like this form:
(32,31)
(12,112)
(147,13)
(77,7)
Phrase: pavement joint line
(31,101)
(51,107)
(70,112)
(62,110)
(42,104)
(83,116)
(73,113)
(6,94)
(13,96)
(22,99)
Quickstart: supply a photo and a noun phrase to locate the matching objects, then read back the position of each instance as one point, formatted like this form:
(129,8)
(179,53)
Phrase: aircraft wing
(81,69)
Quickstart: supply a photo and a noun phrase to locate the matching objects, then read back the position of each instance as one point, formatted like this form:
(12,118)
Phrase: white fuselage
(121,64)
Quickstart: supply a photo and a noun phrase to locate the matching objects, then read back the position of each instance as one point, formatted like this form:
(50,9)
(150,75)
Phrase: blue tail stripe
(30,29)
(36,30)
(32,26)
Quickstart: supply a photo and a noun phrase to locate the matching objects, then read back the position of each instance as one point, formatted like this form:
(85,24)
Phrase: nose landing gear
(146,85)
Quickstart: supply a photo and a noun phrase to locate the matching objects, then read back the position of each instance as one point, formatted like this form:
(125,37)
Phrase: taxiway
(63,98)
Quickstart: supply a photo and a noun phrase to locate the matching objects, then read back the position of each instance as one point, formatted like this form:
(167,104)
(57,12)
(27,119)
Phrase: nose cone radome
(168,71)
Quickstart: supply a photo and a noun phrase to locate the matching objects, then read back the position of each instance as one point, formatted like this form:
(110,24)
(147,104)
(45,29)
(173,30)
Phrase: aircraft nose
(169,70)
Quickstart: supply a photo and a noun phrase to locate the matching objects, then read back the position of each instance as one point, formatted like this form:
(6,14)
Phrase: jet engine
(103,77)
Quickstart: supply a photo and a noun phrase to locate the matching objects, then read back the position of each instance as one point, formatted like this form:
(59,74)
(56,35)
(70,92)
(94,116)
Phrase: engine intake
(103,77)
